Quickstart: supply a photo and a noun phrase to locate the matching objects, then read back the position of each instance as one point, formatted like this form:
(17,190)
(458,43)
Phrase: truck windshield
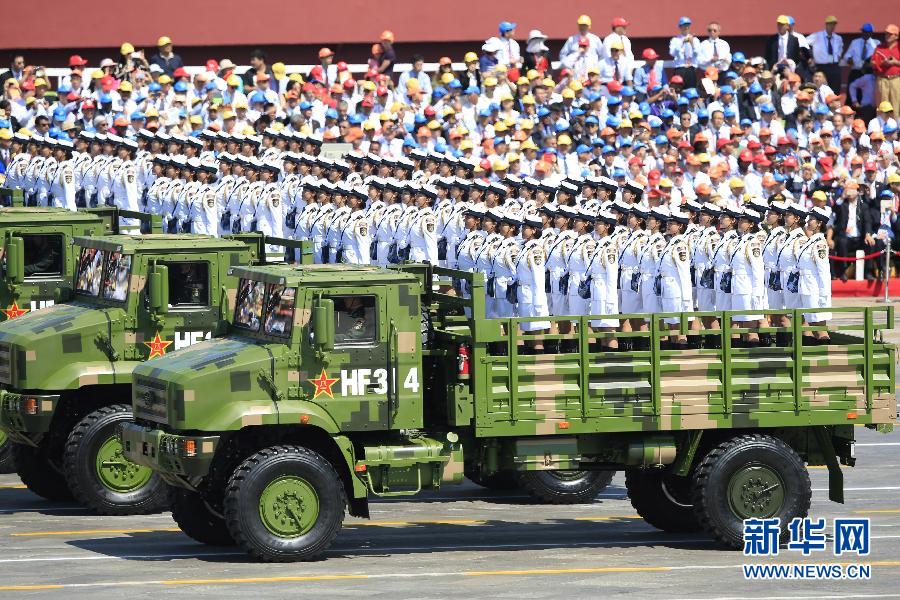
(271,306)
(100,271)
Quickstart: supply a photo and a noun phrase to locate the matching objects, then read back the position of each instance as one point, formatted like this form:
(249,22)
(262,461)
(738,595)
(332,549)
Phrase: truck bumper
(26,417)
(169,454)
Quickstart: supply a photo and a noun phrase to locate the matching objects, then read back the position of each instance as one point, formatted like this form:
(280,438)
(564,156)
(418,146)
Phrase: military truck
(66,371)
(330,389)
(41,241)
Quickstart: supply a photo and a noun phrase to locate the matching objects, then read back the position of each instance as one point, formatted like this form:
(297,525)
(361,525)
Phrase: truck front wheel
(98,474)
(39,474)
(565,487)
(750,476)
(6,462)
(196,520)
(662,499)
(285,503)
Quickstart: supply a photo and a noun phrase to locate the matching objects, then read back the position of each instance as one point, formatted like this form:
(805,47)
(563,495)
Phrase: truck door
(363,396)
(46,277)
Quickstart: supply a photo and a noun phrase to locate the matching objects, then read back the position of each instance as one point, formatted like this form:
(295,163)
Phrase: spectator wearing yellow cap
(884,119)
(165,57)
(615,66)
(572,45)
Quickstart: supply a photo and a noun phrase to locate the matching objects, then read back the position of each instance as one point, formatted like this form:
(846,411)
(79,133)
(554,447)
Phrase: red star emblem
(157,346)
(323,385)
(14,311)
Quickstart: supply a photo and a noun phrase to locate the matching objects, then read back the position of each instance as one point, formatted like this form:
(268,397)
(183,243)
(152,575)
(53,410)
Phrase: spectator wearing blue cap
(508,54)
(827,48)
(859,53)
(714,51)
(685,51)
(727,101)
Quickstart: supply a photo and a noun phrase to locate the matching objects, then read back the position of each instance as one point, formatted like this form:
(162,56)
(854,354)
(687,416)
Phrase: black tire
(195,518)
(6,460)
(662,499)
(80,458)
(779,473)
(564,487)
(500,481)
(269,466)
(39,473)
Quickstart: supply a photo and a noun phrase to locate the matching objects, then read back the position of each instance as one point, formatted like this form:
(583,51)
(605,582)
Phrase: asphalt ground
(461,542)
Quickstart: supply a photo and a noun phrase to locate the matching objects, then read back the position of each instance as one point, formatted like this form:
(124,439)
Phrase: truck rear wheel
(750,476)
(285,503)
(6,462)
(98,474)
(662,499)
(196,520)
(38,473)
(565,487)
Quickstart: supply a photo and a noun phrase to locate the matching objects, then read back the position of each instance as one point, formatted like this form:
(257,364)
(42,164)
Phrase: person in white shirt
(615,66)
(827,48)
(509,53)
(859,52)
(685,51)
(595,45)
(582,60)
(714,51)
(619,25)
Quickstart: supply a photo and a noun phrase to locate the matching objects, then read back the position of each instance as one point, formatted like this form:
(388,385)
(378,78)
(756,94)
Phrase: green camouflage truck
(331,388)
(43,237)
(66,371)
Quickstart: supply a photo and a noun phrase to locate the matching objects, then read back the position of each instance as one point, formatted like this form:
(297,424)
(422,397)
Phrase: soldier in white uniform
(468,248)
(423,235)
(577,259)
(356,234)
(631,250)
(747,275)
(387,225)
(504,267)
(722,257)
(484,261)
(775,236)
(338,222)
(786,261)
(270,220)
(531,282)
(47,173)
(815,274)
(673,278)
(706,243)
(62,188)
(126,194)
(557,265)
(648,263)
(205,216)
(321,222)
(603,271)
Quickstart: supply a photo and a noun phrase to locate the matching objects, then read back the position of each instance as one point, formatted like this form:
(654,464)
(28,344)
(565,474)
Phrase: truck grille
(150,400)
(5,364)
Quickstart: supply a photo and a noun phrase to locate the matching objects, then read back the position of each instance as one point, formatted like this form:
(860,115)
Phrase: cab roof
(160,242)
(324,275)
(43,217)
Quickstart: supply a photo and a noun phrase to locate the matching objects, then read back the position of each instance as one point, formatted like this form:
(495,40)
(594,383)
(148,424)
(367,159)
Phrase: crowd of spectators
(698,119)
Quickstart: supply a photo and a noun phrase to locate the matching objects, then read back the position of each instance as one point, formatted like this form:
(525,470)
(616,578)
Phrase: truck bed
(849,381)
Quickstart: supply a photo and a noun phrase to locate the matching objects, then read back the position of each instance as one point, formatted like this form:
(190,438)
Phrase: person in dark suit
(782,46)
(853,230)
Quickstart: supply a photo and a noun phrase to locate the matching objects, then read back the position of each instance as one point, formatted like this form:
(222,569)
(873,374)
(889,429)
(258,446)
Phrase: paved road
(463,542)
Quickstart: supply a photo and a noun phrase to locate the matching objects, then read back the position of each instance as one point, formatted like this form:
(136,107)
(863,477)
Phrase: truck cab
(66,371)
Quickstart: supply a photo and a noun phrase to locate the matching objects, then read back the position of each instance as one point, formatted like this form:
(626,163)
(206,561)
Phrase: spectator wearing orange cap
(886,64)
(328,68)
(388,56)
(714,51)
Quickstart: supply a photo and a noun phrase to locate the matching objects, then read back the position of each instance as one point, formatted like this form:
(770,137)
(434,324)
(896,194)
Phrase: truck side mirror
(323,324)
(15,259)
(159,289)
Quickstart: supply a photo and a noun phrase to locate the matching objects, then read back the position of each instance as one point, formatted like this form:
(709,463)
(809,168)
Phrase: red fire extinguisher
(462,361)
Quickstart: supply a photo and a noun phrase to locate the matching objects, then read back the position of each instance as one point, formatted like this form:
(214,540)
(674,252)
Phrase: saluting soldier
(815,274)
(748,290)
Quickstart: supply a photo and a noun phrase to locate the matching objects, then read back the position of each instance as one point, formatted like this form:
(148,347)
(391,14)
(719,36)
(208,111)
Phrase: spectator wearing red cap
(595,44)
(619,26)
(649,75)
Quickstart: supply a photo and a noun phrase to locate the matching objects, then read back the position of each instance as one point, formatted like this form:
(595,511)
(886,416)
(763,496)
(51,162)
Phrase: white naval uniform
(786,261)
(648,264)
(356,239)
(504,268)
(206,213)
(748,290)
(815,278)
(674,269)
(532,296)
(632,248)
(603,269)
(423,237)
(557,251)
(770,249)
(126,195)
(722,265)
(578,258)
(484,263)
(704,250)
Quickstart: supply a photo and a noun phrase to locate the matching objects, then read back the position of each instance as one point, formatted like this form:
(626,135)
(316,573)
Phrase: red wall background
(292,32)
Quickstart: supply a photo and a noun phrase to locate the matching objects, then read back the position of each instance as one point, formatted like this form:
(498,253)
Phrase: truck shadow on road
(359,539)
